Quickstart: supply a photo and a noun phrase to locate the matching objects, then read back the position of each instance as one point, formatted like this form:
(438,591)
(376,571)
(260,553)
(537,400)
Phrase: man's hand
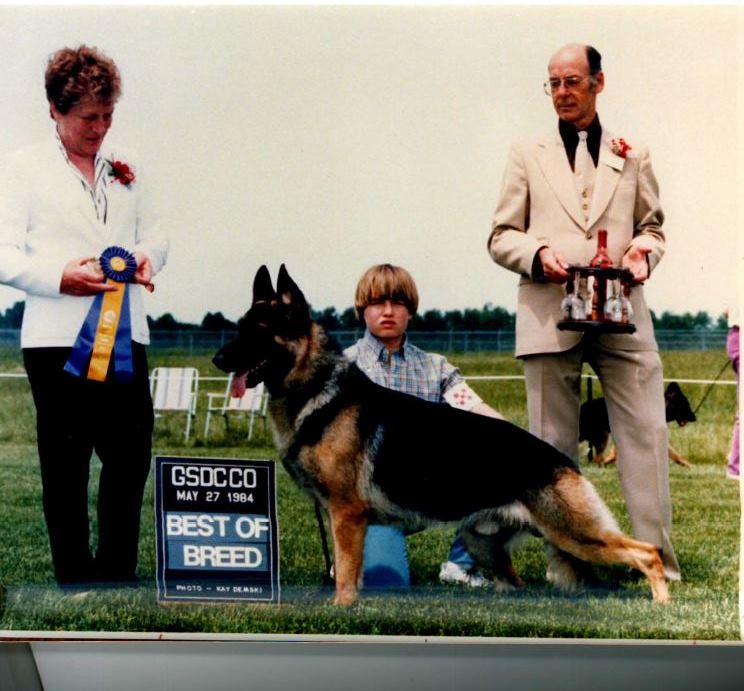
(553,265)
(635,260)
(143,275)
(83,276)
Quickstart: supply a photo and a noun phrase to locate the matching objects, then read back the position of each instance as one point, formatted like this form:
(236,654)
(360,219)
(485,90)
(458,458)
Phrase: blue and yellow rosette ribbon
(107,327)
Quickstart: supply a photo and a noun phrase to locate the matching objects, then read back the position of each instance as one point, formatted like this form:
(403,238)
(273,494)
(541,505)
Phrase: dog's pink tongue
(237,388)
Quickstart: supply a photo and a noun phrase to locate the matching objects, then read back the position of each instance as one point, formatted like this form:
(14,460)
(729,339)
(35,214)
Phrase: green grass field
(706,537)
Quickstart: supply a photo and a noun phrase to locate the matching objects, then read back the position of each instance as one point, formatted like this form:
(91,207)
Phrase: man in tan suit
(558,191)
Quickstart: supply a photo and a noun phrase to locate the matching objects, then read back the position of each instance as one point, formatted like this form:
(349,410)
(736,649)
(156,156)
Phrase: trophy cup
(598,296)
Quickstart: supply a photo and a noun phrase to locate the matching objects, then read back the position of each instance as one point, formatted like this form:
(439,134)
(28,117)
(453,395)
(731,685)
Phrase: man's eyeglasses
(571,83)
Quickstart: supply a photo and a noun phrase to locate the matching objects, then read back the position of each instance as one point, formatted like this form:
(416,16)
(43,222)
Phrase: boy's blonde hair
(385,281)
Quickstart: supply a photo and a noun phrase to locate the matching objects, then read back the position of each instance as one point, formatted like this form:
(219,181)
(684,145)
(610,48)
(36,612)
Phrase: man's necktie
(583,160)
(583,169)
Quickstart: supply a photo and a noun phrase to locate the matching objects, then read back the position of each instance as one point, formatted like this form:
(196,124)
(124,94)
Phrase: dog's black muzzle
(220,362)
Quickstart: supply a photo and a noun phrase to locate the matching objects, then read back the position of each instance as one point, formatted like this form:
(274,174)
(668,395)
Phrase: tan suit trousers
(633,388)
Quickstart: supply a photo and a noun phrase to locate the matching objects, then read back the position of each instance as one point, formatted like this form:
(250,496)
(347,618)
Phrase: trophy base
(597,327)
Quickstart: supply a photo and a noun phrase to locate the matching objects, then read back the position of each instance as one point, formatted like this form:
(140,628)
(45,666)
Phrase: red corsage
(620,147)
(121,172)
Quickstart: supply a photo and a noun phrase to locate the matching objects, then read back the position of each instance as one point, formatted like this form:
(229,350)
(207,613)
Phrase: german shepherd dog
(372,454)
(594,425)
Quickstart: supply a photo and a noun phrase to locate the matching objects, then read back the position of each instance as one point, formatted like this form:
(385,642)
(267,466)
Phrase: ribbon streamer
(107,326)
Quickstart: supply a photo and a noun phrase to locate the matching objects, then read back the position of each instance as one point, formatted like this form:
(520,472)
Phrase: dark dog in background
(594,425)
(369,453)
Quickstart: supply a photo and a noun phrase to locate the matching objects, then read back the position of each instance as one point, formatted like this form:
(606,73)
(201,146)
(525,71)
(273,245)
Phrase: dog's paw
(344,598)
(563,581)
(507,585)
(562,574)
(503,586)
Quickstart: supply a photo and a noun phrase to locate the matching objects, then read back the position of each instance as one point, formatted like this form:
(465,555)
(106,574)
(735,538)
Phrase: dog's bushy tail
(572,517)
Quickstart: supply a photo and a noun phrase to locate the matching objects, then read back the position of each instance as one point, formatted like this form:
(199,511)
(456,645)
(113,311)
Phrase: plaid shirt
(409,370)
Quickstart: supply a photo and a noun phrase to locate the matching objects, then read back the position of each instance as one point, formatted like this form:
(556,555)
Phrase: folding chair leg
(250,427)
(206,427)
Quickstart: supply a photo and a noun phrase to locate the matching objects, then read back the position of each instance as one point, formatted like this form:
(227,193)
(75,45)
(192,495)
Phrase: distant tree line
(13,316)
(688,321)
(488,318)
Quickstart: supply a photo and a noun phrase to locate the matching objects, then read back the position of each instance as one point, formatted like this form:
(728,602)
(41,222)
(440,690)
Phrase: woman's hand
(83,276)
(143,275)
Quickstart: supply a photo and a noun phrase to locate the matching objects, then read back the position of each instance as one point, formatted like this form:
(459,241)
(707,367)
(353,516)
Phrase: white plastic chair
(253,404)
(175,388)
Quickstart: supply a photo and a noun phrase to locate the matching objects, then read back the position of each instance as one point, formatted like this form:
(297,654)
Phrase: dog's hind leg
(564,570)
(348,525)
(491,552)
(572,516)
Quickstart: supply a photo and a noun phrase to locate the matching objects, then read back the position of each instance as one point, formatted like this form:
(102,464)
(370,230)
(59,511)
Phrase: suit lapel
(554,164)
(609,170)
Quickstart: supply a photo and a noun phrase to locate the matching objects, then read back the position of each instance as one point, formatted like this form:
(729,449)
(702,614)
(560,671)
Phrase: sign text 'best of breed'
(217,529)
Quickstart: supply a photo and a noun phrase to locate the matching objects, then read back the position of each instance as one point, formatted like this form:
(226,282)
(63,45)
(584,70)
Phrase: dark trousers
(76,416)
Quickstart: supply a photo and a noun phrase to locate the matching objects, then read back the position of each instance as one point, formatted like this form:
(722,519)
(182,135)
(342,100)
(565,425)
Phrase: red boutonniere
(620,147)
(121,172)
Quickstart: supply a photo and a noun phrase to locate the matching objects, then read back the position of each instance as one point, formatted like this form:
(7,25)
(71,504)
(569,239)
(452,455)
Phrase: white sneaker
(454,573)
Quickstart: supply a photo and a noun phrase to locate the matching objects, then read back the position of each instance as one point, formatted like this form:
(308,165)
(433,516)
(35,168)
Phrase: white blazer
(47,218)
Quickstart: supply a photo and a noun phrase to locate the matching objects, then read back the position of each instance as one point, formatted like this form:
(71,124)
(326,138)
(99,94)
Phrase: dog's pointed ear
(287,290)
(263,290)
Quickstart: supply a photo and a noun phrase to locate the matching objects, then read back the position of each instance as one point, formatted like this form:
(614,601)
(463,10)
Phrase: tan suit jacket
(540,206)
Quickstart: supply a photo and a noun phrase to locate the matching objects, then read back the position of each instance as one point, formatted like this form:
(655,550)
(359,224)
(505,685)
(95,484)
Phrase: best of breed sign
(217,531)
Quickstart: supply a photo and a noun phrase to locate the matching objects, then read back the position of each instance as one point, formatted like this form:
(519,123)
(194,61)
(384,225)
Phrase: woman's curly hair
(76,74)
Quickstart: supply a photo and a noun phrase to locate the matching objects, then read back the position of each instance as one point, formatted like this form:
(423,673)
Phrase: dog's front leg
(349,525)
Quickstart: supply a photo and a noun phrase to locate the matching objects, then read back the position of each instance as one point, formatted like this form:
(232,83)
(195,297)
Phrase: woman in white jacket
(63,201)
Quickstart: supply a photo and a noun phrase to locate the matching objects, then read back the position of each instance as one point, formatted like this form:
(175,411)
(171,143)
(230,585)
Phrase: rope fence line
(199,341)
(594,377)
